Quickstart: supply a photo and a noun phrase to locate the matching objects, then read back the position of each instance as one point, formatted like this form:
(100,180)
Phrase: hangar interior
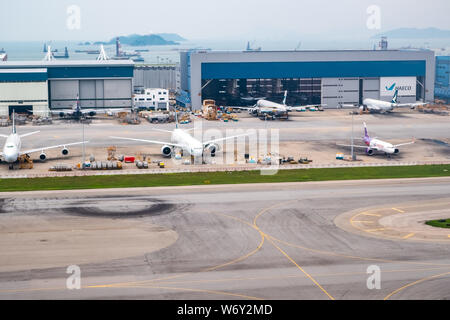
(331,78)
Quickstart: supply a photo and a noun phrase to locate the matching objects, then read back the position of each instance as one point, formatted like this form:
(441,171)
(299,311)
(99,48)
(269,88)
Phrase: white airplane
(76,111)
(384,106)
(182,140)
(266,107)
(374,144)
(12,148)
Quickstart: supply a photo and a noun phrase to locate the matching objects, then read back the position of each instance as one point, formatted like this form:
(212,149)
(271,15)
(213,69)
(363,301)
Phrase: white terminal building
(153,98)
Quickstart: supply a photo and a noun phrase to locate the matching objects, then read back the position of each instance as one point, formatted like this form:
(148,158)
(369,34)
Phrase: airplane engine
(396,151)
(92,113)
(61,114)
(42,156)
(212,148)
(65,151)
(369,151)
(166,151)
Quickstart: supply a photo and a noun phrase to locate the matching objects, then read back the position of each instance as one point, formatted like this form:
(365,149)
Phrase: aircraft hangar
(332,78)
(38,86)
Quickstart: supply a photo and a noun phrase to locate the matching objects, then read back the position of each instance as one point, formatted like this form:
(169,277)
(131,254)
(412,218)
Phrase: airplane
(12,148)
(384,106)
(182,140)
(374,144)
(76,112)
(264,108)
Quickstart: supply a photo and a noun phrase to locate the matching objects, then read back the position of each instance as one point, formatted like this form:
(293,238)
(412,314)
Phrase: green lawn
(184,179)
(441,223)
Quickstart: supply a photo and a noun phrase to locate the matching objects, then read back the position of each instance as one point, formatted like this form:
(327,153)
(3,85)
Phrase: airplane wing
(221,139)
(404,144)
(65,111)
(414,104)
(3,136)
(150,141)
(355,146)
(347,105)
(28,134)
(52,147)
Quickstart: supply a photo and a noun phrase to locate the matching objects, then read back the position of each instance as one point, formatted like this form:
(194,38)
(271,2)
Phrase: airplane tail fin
(366,132)
(285,96)
(13,122)
(395,97)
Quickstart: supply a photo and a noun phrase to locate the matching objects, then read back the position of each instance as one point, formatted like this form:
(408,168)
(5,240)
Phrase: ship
(62,56)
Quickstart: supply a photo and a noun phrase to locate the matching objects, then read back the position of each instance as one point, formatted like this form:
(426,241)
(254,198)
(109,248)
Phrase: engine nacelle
(212,149)
(62,114)
(166,151)
(369,151)
(42,156)
(92,113)
(396,151)
(65,151)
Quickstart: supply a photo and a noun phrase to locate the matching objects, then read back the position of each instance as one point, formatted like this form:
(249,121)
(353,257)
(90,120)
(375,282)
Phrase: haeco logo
(399,88)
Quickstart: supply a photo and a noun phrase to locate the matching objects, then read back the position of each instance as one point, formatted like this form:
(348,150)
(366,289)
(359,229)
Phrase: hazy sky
(201,19)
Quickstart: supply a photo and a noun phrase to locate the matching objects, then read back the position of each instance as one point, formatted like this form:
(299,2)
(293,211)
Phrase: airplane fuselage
(382,146)
(378,104)
(11,149)
(190,144)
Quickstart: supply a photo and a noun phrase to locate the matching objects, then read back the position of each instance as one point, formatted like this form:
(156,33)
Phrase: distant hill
(171,37)
(143,40)
(414,33)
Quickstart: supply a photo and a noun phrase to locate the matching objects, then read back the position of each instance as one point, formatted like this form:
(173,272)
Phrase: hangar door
(20,109)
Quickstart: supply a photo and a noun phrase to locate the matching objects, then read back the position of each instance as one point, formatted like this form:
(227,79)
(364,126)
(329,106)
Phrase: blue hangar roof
(73,69)
(10,75)
(317,69)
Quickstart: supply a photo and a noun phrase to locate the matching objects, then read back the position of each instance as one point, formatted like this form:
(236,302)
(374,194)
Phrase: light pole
(83,160)
(353,154)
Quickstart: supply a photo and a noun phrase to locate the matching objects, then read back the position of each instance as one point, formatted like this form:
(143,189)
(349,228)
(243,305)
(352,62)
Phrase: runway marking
(370,214)
(414,283)
(408,236)
(306,273)
(201,290)
(398,210)
(328,253)
(126,284)
(375,230)
(284,253)
(363,221)
(294,276)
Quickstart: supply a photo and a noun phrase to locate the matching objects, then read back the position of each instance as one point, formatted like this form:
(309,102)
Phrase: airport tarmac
(311,134)
(260,241)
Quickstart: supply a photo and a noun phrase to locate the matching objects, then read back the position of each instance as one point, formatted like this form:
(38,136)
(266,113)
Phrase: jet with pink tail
(374,144)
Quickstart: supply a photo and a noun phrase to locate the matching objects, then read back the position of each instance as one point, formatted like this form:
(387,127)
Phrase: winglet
(285,96)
